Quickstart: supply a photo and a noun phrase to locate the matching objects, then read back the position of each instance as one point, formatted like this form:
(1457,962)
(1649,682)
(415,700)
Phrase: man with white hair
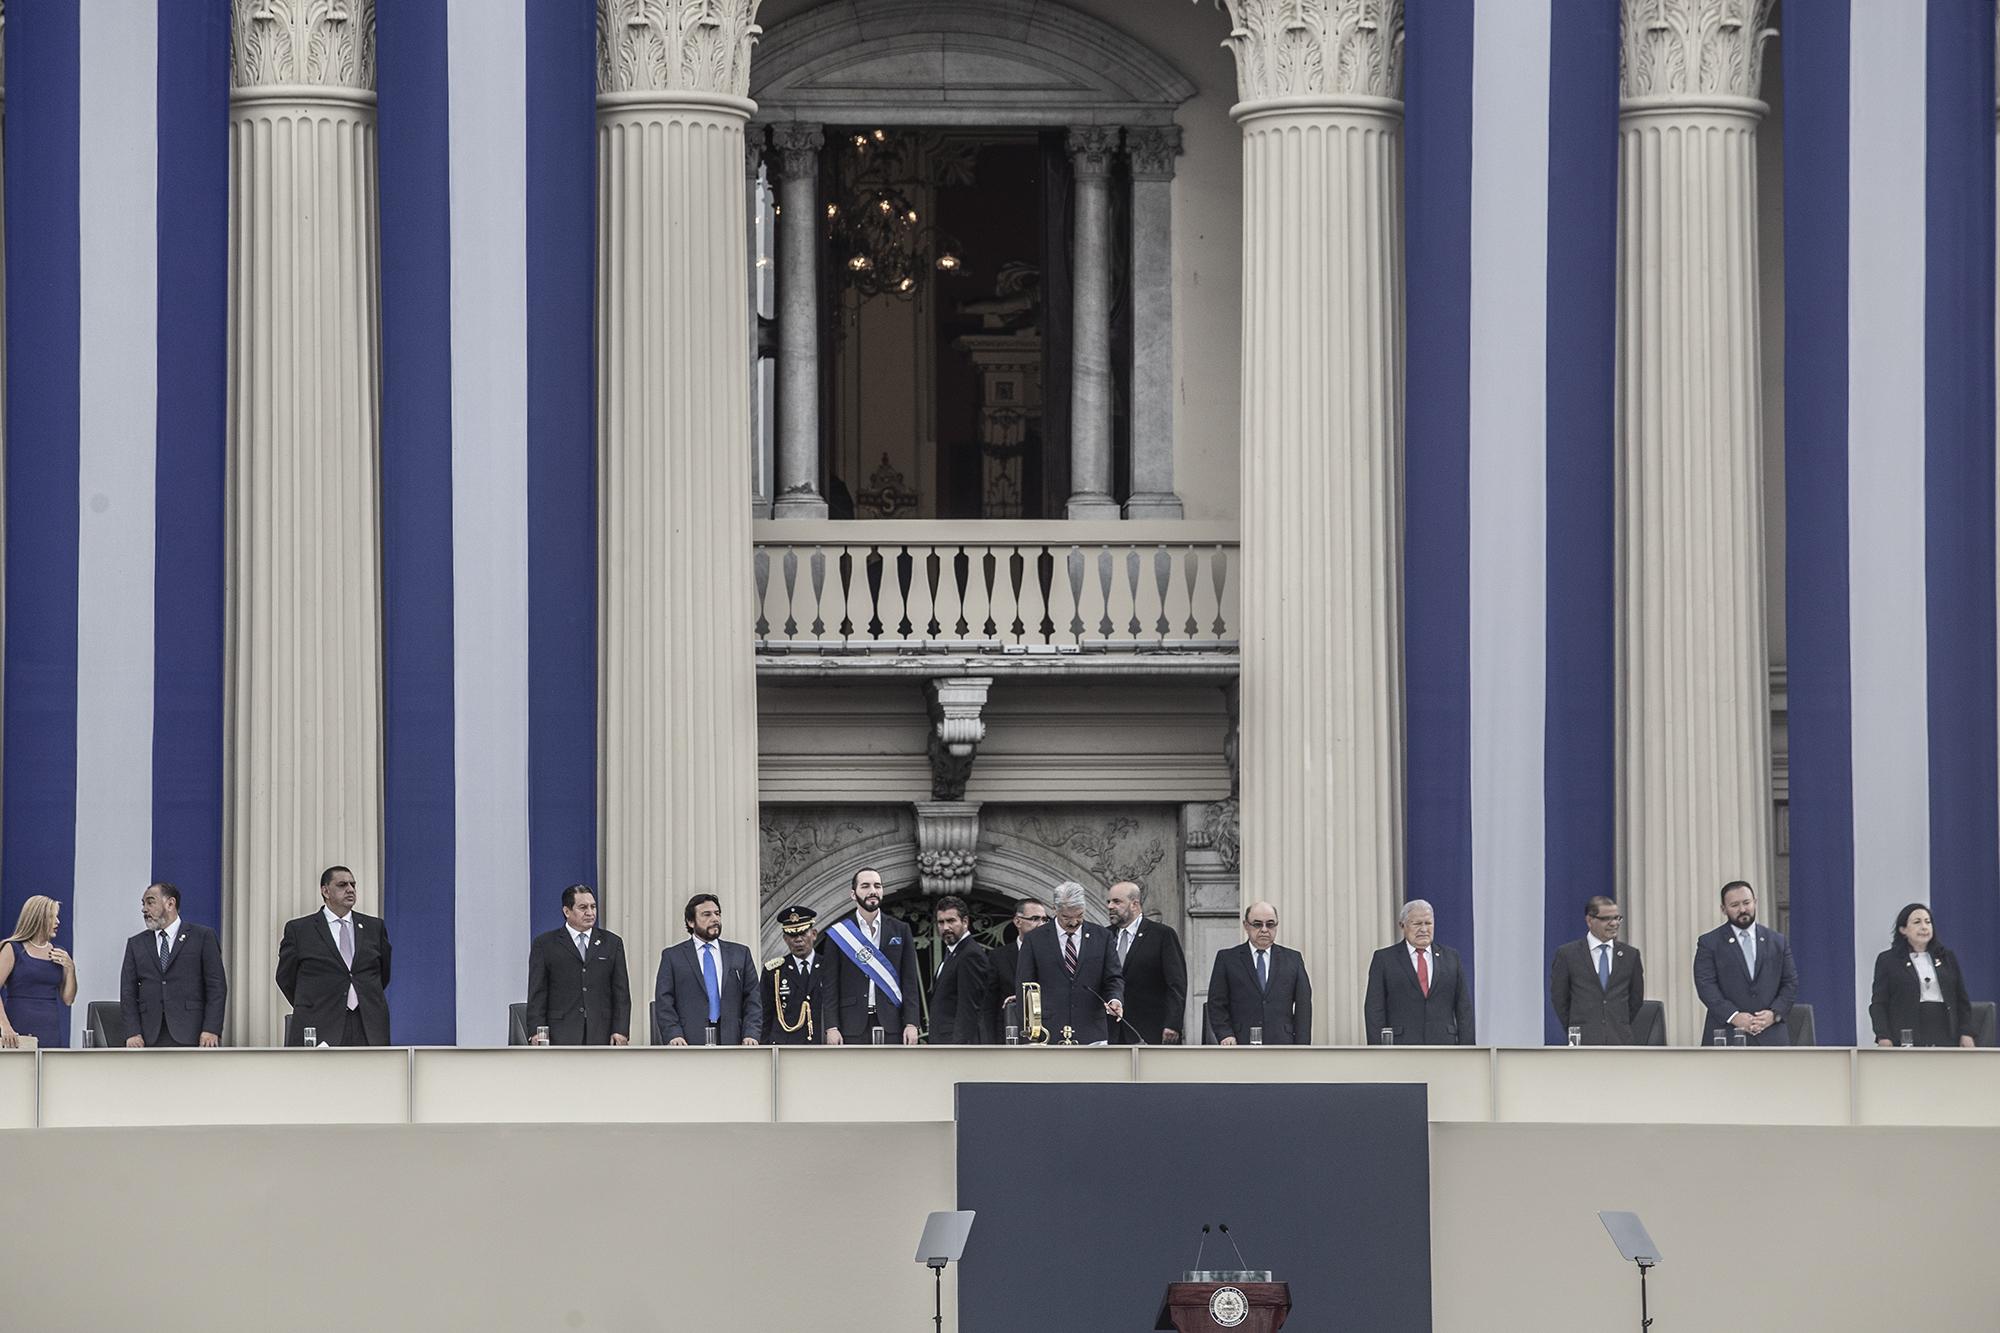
(1078,971)
(1418,992)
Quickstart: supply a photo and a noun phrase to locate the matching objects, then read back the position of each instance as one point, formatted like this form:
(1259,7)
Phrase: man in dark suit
(964,977)
(577,987)
(792,993)
(871,976)
(172,990)
(1743,972)
(1417,989)
(1261,984)
(334,968)
(1155,970)
(706,981)
(1078,973)
(1004,1002)
(1596,983)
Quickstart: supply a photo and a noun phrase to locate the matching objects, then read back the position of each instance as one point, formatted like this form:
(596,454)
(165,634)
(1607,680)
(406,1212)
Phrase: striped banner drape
(488,159)
(117,199)
(1512,169)
(1889,459)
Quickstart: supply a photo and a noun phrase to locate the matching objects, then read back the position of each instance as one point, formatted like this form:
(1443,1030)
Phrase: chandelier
(878,241)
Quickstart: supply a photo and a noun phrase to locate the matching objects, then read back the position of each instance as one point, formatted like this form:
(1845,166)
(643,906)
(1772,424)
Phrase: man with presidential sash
(871,971)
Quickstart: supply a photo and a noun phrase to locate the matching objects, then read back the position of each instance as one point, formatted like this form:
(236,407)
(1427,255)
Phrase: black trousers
(1934,1025)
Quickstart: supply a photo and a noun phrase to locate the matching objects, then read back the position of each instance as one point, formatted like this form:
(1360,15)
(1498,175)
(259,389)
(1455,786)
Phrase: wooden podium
(1224,1303)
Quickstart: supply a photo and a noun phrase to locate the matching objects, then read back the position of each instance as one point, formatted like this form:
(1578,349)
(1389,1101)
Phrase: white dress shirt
(1430,956)
(578,939)
(173,932)
(1927,982)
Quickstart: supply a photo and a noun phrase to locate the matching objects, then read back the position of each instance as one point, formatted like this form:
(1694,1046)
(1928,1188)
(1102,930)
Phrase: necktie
(1424,972)
(1604,966)
(583,947)
(714,985)
(1124,944)
(1749,942)
(347,957)
(1263,970)
(1069,953)
(163,951)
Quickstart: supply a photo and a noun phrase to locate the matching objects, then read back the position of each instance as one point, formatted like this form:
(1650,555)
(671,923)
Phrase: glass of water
(311,1037)
(1721,1037)
(1576,1036)
(1905,1037)
(1741,1038)
(1256,1036)
(709,1035)
(541,1036)
(877,1037)
(1387,1037)
(1013,1035)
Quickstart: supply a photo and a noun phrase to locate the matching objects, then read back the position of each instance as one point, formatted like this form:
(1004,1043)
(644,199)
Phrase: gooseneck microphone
(1240,1263)
(1136,1035)
(1199,1248)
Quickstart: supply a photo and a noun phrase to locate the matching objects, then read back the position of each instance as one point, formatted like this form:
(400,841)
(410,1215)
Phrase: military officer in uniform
(792,1008)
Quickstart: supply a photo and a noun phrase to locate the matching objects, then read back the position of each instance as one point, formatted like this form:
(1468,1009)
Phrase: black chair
(1208,1037)
(106,1020)
(1984,1021)
(291,1028)
(1799,1023)
(517,1023)
(1649,1026)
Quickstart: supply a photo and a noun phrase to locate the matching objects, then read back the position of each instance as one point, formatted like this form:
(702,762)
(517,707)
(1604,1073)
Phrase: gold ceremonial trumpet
(1032,1031)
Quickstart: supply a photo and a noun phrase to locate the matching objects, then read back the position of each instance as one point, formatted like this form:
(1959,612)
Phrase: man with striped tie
(1078,972)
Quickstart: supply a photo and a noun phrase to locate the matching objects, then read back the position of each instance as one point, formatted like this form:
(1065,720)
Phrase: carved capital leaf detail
(675,46)
(1693,48)
(318,43)
(1152,150)
(1091,148)
(1316,48)
(795,147)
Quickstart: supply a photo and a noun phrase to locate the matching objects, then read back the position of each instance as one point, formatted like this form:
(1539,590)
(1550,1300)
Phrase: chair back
(1799,1023)
(106,1018)
(1984,1020)
(517,1023)
(1649,1028)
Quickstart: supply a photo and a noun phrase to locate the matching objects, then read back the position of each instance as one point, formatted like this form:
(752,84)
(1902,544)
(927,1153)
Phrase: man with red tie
(1078,971)
(1417,990)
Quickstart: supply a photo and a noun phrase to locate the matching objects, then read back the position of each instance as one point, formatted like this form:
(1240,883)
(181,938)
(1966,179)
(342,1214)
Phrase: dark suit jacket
(188,999)
(847,984)
(1581,1000)
(1284,1009)
(581,1005)
(958,996)
(680,997)
(1395,1001)
(314,979)
(1893,1004)
(1723,982)
(1155,973)
(784,998)
(1067,1001)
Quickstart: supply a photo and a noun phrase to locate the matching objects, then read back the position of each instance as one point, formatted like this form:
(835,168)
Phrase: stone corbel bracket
(956,730)
(947,845)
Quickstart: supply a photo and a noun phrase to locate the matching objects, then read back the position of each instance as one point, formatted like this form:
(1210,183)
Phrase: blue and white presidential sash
(865,956)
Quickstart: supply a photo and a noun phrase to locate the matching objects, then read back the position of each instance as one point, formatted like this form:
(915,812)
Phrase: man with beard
(172,990)
(872,972)
(964,975)
(1155,969)
(1743,972)
(706,982)
(1078,973)
(793,1006)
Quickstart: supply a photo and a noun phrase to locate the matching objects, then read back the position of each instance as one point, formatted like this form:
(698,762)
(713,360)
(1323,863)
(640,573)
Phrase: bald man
(1155,969)
(1261,984)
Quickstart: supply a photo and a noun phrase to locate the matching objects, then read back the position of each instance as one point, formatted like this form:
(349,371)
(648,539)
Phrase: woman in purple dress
(39,979)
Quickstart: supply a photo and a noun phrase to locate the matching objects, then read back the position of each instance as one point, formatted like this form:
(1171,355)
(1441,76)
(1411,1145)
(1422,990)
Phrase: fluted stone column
(679,706)
(1695,750)
(305,681)
(1091,148)
(795,158)
(1151,150)
(1322,433)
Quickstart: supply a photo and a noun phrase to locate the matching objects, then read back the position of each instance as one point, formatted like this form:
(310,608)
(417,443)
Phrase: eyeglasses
(1262,925)
(1032,920)
(1616,917)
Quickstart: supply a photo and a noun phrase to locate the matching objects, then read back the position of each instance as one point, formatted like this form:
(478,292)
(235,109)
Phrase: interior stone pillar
(795,158)
(1695,750)
(305,653)
(1151,150)
(1091,148)
(1322,432)
(679,713)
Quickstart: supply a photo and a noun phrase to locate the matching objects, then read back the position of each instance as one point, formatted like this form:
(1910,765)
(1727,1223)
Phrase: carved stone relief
(317,43)
(675,46)
(1317,48)
(1689,48)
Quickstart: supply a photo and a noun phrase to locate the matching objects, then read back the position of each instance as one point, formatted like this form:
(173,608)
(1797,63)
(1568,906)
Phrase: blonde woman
(39,979)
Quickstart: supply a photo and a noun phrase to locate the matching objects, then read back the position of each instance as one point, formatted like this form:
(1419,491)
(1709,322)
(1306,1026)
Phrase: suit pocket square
(895,939)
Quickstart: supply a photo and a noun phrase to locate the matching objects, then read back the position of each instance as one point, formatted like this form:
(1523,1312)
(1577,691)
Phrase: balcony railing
(995,587)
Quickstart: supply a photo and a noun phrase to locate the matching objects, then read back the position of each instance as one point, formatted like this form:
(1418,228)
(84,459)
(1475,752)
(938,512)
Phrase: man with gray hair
(1078,971)
(1418,993)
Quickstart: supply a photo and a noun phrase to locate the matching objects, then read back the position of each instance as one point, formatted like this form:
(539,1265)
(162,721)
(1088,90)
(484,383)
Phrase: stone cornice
(1152,150)
(795,146)
(1316,48)
(1692,48)
(675,46)
(302,43)
(1091,148)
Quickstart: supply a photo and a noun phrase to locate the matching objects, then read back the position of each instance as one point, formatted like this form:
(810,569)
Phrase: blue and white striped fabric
(1889,443)
(488,155)
(1512,164)
(117,196)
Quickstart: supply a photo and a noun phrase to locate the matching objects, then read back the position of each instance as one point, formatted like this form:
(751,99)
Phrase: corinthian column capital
(1091,148)
(1693,48)
(1317,48)
(302,43)
(1152,150)
(795,149)
(675,46)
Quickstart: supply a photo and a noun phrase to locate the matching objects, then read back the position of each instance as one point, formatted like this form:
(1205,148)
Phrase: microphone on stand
(1240,1262)
(1199,1248)
(1136,1034)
